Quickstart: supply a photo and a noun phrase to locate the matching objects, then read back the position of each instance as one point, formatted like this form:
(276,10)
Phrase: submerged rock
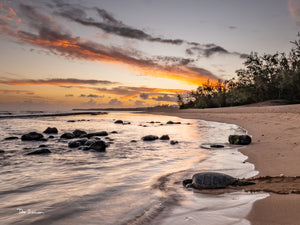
(149,138)
(51,130)
(101,133)
(74,144)
(171,122)
(42,146)
(10,138)
(78,142)
(67,136)
(40,151)
(217,146)
(239,139)
(173,142)
(78,133)
(89,142)
(98,146)
(119,121)
(32,136)
(165,137)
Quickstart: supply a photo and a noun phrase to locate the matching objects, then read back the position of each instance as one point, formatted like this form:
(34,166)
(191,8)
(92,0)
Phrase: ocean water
(131,183)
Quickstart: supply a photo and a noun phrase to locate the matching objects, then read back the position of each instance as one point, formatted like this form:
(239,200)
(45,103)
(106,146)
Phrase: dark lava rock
(51,130)
(11,138)
(217,146)
(71,121)
(2,151)
(119,121)
(239,139)
(173,142)
(101,133)
(74,144)
(78,133)
(39,152)
(42,146)
(98,146)
(133,141)
(165,137)
(110,139)
(89,142)
(51,137)
(171,122)
(32,136)
(114,132)
(149,138)
(67,136)
(82,140)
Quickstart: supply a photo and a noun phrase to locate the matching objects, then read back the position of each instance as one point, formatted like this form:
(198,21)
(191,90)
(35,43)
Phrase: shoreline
(274,151)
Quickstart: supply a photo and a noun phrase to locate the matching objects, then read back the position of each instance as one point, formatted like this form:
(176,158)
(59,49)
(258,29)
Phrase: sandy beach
(275,151)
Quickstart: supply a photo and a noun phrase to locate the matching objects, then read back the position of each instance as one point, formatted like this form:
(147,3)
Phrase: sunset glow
(74,55)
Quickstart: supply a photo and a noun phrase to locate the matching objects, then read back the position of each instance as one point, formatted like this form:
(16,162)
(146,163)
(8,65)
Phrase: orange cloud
(74,48)
(8,13)
(50,35)
(67,46)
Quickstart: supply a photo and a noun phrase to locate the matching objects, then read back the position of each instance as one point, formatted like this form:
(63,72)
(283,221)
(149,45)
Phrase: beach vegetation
(266,77)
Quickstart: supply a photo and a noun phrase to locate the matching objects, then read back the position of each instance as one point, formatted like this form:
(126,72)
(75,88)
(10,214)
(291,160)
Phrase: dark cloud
(216,49)
(111,25)
(232,27)
(108,17)
(209,50)
(143,92)
(171,60)
(132,92)
(166,98)
(95,96)
(144,96)
(91,96)
(55,81)
(115,102)
(37,20)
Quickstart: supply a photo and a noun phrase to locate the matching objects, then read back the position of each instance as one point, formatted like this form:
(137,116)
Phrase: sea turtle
(211,180)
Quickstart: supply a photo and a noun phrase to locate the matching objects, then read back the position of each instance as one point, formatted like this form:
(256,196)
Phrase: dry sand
(275,151)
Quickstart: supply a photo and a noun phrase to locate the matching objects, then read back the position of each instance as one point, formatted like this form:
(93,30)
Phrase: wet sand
(275,151)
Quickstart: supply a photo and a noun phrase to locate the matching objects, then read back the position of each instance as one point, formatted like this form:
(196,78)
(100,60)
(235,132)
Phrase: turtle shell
(209,180)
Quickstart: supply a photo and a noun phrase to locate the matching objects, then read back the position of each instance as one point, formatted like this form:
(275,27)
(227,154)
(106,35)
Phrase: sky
(65,54)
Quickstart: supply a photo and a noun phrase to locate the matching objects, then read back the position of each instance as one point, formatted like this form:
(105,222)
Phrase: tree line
(266,77)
